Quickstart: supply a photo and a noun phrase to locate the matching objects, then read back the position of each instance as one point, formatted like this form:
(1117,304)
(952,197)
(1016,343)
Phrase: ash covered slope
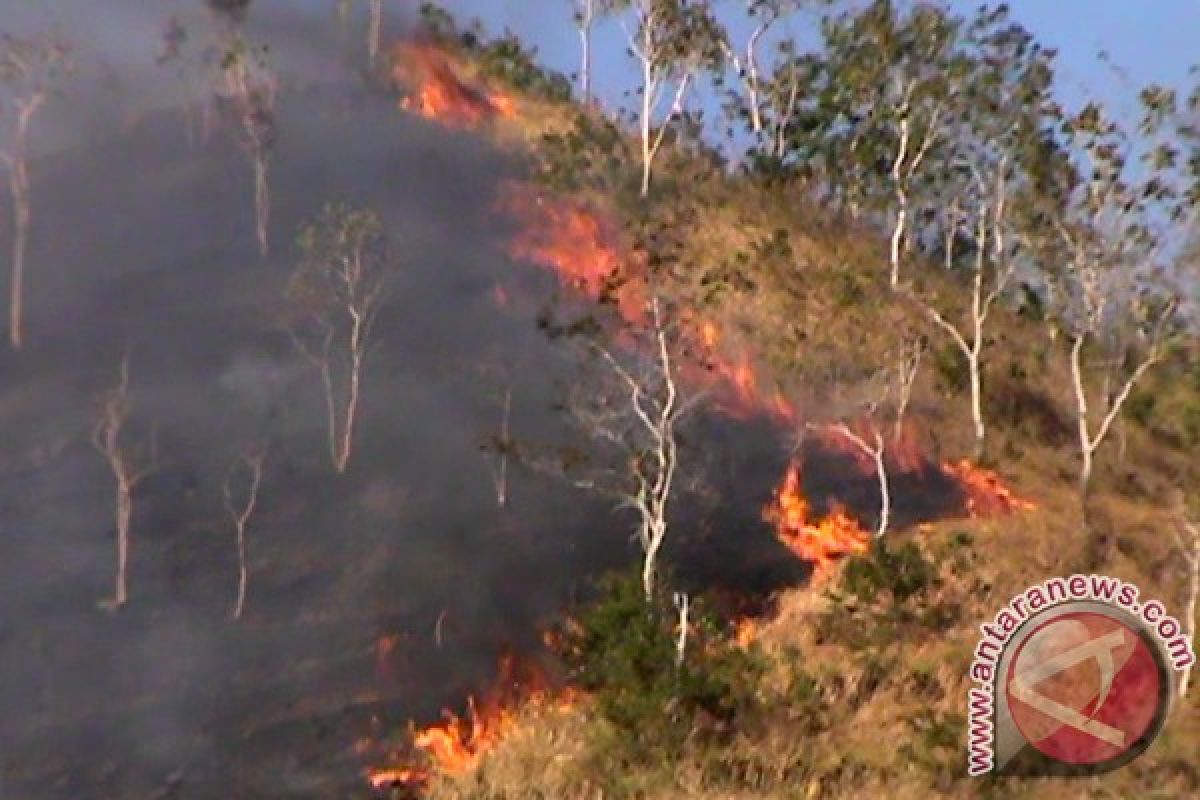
(140,242)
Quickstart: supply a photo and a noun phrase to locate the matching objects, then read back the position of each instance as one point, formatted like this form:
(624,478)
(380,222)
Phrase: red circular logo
(1085,688)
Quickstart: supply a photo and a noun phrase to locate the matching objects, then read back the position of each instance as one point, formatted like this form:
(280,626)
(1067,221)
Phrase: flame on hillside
(436,89)
(582,249)
(986,494)
(820,542)
(456,745)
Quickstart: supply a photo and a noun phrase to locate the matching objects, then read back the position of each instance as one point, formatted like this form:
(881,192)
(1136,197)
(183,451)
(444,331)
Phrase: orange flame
(437,91)
(821,542)
(577,244)
(986,494)
(581,247)
(457,744)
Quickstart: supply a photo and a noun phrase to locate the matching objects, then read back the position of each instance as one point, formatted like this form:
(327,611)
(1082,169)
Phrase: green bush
(623,651)
(901,573)
(951,369)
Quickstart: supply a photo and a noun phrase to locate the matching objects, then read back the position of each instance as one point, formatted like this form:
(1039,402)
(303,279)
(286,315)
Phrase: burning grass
(457,745)
(438,90)
(984,490)
(820,542)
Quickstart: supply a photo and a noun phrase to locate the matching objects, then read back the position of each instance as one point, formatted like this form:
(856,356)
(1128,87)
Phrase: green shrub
(951,369)
(901,573)
(623,651)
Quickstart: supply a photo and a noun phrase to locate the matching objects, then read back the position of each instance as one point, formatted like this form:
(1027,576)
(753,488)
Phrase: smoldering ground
(143,245)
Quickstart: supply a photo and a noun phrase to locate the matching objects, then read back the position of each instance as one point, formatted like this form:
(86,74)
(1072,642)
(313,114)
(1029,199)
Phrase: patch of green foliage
(882,597)
(592,154)
(503,58)
(623,651)
(936,746)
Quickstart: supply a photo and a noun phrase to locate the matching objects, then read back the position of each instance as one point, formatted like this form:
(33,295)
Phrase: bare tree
(1110,222)
(585,13)
(633,411)
(763,14)
(336,291)
(1133,344)
(174,51)
(248,99)
(992,269)
(882,396)
(684,606)
(249,469)
(672,41)
(28,69)
(129,465)
(498,463)
(374,29)
(1187,537)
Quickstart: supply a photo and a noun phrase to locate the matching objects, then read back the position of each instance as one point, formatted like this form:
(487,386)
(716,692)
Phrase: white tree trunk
(648,91)
(374,27)
(683,606)
(901,192)
(262,203)
(1081,415)
(18,182)
(975,367)
(586,17)
(19,185)
(500,471)
(124,515)
(240,514)
(1190,609)
(878,454)
(342,457)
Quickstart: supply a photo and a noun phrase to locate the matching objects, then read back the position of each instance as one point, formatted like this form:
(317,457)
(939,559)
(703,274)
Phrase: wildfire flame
(456,745)
(432,76)
(583,249)
(986,494)
(821,542)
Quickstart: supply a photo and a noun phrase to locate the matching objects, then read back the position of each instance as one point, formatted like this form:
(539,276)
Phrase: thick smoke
(143,244)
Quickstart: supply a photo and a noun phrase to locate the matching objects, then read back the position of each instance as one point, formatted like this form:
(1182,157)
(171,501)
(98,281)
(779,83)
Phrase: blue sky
(1151,40)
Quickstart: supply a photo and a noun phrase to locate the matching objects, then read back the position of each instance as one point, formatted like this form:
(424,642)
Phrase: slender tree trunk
(124,514)
(19,185)
(342,459)
(683,606)
(1086,446)
(241,519)
(885,495)
(500,471)
(331,410)
(243,574)
(898,236)
(650,560)
(585,50)
(374,28)
(976,371)
(1187,537)
(1190,609)
(647,109)
(262,203)
(901,198)
(878,454)
(18,181)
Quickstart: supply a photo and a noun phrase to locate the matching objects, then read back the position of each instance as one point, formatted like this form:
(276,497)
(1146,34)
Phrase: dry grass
(876,731)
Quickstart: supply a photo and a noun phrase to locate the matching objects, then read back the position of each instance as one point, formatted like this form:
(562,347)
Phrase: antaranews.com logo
(1072,679)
